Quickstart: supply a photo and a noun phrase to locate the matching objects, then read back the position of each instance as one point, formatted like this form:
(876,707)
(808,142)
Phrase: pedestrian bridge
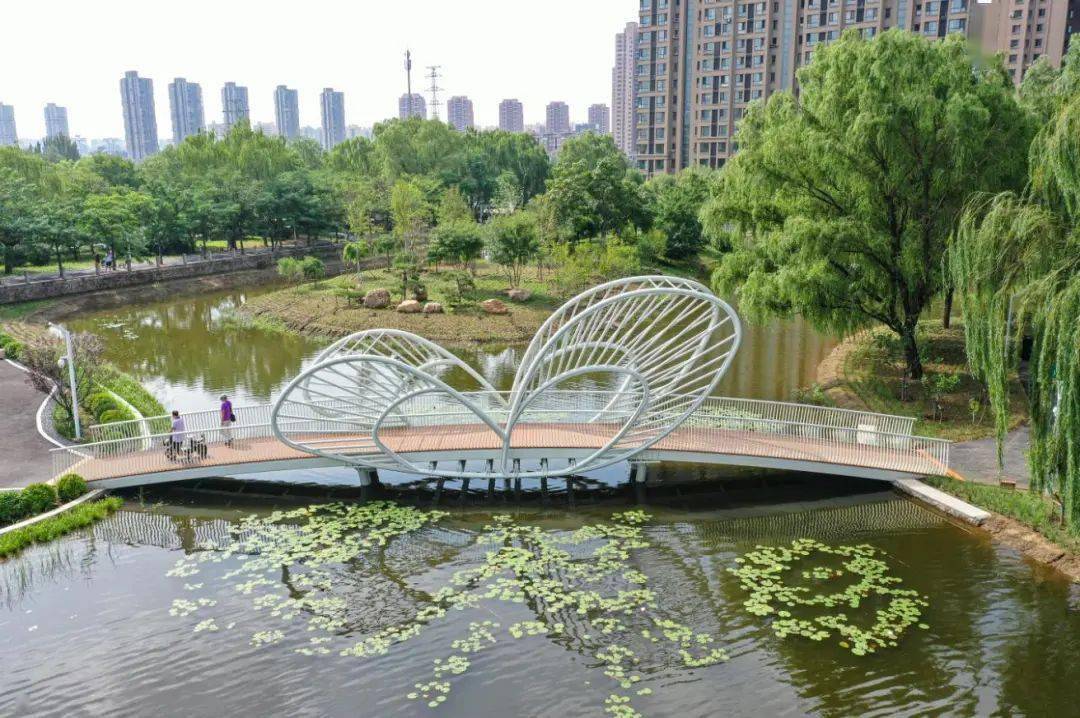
(626,371)
(735,432)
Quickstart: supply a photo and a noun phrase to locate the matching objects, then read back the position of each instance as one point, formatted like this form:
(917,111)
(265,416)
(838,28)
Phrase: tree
(675,203)
(45,371)
(1016,265)
(453,207)
(354,254)
(592,189)
(56,228)
(116,219)
(58,149)
(845,199)
(457,241)
(409,212)
(16,214)
(514,241)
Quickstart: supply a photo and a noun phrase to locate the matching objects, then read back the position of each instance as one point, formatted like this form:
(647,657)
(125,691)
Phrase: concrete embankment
(122,280)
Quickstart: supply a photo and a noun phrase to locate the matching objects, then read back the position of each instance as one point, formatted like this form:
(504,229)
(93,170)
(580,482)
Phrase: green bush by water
(70,487)
(11,507)
(131,390)
(38,498)
(52,528)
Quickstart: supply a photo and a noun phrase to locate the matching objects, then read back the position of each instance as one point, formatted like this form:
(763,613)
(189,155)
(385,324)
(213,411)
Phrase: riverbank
(866,372)
(1022,520)
(321,309)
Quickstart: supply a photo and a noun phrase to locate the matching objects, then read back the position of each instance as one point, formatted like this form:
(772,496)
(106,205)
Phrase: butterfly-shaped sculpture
(609,374)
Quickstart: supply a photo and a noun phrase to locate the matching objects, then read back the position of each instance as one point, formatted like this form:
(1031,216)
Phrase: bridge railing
(858,438)
(553,404)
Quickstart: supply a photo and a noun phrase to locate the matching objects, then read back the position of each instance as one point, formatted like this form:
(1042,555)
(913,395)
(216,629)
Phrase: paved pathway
(24,454)
(977,460)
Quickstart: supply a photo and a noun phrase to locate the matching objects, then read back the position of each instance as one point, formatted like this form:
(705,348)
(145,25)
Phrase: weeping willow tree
(1016,263)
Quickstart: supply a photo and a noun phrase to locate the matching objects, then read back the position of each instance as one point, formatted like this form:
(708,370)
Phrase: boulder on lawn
(518,295)
(494,306)
(377,299)
(433,308)
(410,306)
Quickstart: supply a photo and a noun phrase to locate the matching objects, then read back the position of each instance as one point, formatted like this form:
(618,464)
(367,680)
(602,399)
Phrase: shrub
(289,268)
(114,415)
(38,498)
(100,403)
(11,507)
(57,526)
(12,348)
(313,269)
(70,487)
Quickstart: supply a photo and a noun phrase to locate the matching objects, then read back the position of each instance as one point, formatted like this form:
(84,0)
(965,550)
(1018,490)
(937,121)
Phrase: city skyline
(321,55)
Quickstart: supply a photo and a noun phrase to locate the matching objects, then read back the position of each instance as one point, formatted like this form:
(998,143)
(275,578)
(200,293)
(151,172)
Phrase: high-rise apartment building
(234,105)
(333,117)
(701,62)
(557,119)
(56,121)
(140,119)
(8,135)
(287,112)
(416,108)
(186,109)
(511,116)
(459,113)
(600,118)
(622,90)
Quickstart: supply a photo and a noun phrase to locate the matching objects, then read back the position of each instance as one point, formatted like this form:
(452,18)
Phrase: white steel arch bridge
(624,372)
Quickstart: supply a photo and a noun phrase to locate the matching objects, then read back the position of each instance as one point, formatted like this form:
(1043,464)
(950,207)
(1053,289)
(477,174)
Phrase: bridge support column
(367,482)
(638,478)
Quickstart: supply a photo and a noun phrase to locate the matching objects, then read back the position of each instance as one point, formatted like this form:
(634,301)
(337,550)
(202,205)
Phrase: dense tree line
(416,192)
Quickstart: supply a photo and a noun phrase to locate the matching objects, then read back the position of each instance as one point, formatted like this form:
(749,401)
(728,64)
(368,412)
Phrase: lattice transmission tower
(434,89)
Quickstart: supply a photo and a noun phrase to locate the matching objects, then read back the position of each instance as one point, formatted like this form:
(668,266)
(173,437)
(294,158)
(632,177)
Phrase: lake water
(183,351)
(88,627)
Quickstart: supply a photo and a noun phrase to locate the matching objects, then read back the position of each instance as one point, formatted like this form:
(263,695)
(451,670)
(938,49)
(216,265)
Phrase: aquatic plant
(579,585)
(766,573)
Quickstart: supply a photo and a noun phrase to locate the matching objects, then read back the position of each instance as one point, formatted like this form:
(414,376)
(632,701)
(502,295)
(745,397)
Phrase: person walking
(227,420)
(110,260)
(177,437)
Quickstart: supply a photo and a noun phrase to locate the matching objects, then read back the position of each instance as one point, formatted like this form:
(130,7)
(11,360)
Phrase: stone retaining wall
(13,293)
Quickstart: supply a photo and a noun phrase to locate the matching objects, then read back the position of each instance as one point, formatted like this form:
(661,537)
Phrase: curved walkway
(25,452)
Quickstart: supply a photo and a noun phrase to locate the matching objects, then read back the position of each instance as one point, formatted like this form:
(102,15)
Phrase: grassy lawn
(870,371)
(321,309)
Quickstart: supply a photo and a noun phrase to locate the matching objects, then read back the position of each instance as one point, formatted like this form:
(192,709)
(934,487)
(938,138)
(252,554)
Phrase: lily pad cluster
(836,581)
(579,586)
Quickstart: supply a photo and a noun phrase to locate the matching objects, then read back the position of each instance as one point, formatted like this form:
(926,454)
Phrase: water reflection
(88,615)
(188,356)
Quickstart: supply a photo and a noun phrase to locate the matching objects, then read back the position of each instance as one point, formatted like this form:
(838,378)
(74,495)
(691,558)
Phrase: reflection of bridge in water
(626,371)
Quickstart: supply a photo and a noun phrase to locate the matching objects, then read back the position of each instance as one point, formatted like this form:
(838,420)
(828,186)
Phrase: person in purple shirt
(227,419)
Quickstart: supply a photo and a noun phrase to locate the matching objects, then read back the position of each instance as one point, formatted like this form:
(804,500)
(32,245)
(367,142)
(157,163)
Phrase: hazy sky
(74,54)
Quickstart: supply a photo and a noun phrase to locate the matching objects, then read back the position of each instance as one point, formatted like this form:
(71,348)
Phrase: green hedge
(38,498)
(133,392)
(52,528)
(12,509)
(70,487)
(12,347)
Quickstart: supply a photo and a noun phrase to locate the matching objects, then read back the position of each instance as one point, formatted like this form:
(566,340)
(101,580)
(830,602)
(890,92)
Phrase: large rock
(494,306)
(433,308)
(377,299)
(518,295)
(410,306)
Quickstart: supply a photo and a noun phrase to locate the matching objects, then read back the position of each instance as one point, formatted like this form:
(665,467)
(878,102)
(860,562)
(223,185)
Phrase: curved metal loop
(670,339)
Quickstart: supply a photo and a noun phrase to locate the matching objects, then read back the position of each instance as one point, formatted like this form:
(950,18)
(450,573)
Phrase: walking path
(977,460)
(25,452)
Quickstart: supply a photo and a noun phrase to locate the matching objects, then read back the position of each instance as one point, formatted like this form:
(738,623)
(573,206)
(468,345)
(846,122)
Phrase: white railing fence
(850,437)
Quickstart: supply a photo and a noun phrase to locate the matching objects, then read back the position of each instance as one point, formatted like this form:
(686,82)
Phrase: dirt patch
(1035,546)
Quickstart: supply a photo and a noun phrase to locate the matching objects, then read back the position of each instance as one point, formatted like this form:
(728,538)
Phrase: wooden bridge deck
(691,442)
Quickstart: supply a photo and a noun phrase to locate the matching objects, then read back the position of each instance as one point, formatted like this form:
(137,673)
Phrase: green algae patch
(817,591)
